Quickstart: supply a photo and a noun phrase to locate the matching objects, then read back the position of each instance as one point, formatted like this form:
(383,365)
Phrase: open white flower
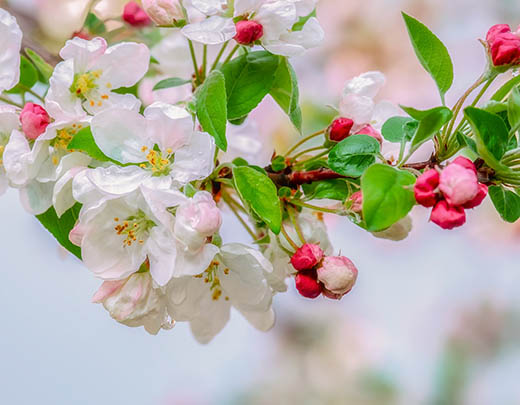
(235,278)
(135,302)
(10,44)
(314,231)
(126,136)
(36,166)
(357,101)
(8,123)
(89,73)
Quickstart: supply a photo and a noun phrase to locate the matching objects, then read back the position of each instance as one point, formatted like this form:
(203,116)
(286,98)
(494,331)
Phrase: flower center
(4,139)
(157,161)
(84,83)
(135,228)
(61,142)
(211,278)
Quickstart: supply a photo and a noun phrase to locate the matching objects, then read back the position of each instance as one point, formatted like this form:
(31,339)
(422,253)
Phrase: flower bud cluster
(450,192)
(332,276)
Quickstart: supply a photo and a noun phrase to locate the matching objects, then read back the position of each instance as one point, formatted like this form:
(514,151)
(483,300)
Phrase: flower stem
(11,102)
(288,238)
(303,152)
(316,157)
(194,60)
(236,48)
(302,141)
(204,61)
(294,221)
(219,56)
(314,207)
(233,209)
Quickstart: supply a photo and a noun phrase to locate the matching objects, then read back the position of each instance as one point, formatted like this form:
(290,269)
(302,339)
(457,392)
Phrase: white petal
(83,52)
(368,84)
(310,36)
(184,297)
(174,44)
(8,120)
(162,253)
(208,7)
(243,7)
(36,197)
(195,161)
(168,126)
(124,64)
(304,7)
(62,198)
(191,264)
(283,48)
(59,99)
(261,320)
(112,100)
(121,135)
(359,109)
(212,31)
(215,317)
(10,44)
(17,159)
(382,112)
(117,180)
(277,18)
(159,200)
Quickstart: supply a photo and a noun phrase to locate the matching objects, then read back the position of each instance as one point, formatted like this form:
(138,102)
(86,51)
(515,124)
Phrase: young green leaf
(387,196)
(432,53)
(84,142)
(335,189)
(260,194)
(94,25)
(491,135)
(503,91)
(28,76)
(249,79)
(43,67)
(285,92)
(61,227)
(430,122)
(393,129)
(212,107)
(353,155)
(513,109)
(506,202)
(171,82)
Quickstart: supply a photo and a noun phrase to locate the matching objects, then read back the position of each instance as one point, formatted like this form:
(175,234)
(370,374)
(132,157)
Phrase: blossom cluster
(129,152)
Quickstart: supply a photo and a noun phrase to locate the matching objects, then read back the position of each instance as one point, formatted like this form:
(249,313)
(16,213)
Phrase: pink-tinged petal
(107,289)
(83,52)
(168,126)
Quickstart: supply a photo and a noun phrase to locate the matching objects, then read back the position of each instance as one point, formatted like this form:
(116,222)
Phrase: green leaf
(513,109)
(84,142)
(171,82)
(393,129)
(286,93)
(335,189)
(211,107)
(43,67)
(249,79)
(430,122)
(95,25)
(260,194)
(353,155)
(298,26)
(432,53)
(61,227)
(503,91)
(28,76)
(466,141)
(506,202)
(387,196)
(491,135)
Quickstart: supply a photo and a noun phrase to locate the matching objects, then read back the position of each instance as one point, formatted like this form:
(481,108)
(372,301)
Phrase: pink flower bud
(504,45)
(340,129)
(425,187)
(34,120)
(163,12)
(248,32)
(465,162)
(134,15)
(306,257)
(338,274)
(481,195)
(357,202)
(370,131)
(446,216)
(200,214)
(307,285)
(458,184)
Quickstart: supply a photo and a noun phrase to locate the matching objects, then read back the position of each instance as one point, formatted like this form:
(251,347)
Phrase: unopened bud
(371,131)
(307,257)
(458,184)
(248,32)
(425,188)
(134,15)
(34,120)
(163,12)
(504,45)
(338,275)
(307,284)
(446,216)
(340,129)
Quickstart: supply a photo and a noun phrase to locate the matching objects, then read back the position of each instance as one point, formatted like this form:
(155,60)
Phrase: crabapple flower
(135,302)
(9,51)
(307,284)
(357,102)
(90,71)
(307,257)
(9,121)
(504,45)
(119,235)
(235,278)
(134,15)
(477,200)
(446,216)
(338,275)
(425,188)
(458,184)
(340,129)
(128,137)
(34,120)
(163,12)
